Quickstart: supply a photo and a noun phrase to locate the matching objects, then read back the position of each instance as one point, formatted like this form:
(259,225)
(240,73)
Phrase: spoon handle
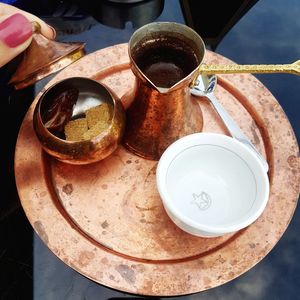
(293,68)
(234,129)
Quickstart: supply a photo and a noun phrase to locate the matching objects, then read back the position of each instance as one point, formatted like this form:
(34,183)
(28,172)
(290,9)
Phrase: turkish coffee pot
(166,58)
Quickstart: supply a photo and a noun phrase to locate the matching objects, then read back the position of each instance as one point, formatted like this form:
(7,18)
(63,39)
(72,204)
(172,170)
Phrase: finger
(15,37)
(8,10)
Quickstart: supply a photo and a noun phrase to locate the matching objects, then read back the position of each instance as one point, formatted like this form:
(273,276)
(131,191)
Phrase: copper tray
(106,220)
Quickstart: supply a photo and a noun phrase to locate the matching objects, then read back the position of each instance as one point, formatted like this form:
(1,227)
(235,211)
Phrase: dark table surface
(264,31)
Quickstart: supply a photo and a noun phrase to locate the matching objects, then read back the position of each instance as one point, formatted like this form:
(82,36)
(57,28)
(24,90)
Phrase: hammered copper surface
(106,220)
(156,120)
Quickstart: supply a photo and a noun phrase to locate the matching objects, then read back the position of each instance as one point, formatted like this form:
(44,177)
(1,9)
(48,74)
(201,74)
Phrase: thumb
(15,37)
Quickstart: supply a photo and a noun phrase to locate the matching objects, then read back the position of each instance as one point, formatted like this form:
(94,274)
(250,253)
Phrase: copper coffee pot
(44,57)
(160,115)
(163,111)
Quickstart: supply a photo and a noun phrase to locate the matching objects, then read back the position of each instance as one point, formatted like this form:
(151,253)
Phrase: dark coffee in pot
(165,60)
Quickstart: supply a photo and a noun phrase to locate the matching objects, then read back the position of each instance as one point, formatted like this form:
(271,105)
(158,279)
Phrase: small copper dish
(74,101)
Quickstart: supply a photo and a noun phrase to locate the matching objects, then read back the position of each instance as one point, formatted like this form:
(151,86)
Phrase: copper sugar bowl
(56,109)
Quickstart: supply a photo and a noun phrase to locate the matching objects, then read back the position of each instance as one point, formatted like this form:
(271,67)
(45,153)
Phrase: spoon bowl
(204,86)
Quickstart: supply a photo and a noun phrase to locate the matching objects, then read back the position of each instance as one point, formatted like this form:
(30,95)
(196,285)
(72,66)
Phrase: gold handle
(293,68)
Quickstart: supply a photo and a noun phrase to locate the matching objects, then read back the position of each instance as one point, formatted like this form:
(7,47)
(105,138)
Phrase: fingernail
(15,30)
(53,32)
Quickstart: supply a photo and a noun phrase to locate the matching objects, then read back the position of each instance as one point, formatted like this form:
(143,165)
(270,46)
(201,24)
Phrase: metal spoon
(204,86)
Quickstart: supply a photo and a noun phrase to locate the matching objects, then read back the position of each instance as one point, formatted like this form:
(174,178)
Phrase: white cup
(211,184)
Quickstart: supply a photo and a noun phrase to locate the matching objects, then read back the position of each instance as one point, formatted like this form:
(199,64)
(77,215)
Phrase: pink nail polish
(15,30)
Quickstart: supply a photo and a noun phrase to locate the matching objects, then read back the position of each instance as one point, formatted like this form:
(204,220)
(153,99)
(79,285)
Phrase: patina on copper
(89,93)
(44,57)
(160,115)
(106,220)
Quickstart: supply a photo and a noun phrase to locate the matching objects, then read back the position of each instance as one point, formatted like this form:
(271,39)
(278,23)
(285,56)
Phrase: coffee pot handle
(293,68)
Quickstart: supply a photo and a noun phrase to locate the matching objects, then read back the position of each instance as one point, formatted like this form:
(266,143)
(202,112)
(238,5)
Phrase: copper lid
(44,57)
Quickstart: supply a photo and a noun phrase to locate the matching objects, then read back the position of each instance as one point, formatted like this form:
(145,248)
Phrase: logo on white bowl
(202,200)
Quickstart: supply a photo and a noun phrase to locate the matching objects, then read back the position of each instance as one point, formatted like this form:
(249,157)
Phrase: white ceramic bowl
(211,184)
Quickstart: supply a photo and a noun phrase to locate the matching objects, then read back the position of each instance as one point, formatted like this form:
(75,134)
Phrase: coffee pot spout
(163,90)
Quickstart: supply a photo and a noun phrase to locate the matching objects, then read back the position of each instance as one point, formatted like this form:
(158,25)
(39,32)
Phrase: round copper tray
(106,220)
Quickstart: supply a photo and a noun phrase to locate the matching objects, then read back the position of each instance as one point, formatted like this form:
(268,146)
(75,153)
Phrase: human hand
(16,31)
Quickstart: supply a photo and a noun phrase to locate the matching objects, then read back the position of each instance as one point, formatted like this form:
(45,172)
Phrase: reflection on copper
(44,57)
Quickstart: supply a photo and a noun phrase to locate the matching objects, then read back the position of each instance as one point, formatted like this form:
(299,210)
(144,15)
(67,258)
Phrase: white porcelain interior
(211,184)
